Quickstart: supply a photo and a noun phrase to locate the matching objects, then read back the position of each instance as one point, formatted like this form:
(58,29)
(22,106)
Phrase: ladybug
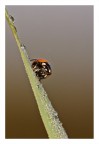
(41,67)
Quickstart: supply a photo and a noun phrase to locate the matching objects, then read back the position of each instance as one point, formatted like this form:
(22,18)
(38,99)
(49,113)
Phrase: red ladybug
(41,67)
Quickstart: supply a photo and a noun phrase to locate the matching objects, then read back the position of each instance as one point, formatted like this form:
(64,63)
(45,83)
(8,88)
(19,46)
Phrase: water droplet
(11,19)
(56,115)
(23,46)
(37,86)
(15,28)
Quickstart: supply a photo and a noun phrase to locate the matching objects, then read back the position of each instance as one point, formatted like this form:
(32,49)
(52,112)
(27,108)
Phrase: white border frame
(2,71)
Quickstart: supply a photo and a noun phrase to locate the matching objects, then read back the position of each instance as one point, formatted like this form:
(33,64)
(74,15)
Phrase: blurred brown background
(64,36)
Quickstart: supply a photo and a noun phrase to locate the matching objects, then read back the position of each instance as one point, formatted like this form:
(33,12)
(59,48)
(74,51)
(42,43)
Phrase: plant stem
(49,116)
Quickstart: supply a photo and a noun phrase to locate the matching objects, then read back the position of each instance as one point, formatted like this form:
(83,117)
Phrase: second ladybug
(41,67)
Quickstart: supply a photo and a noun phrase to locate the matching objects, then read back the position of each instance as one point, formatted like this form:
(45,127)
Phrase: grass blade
(49,116)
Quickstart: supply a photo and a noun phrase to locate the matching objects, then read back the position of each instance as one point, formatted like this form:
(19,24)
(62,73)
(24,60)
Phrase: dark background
(64,36)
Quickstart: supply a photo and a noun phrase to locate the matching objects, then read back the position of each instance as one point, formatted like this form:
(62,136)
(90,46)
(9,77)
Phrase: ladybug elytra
(41,67)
